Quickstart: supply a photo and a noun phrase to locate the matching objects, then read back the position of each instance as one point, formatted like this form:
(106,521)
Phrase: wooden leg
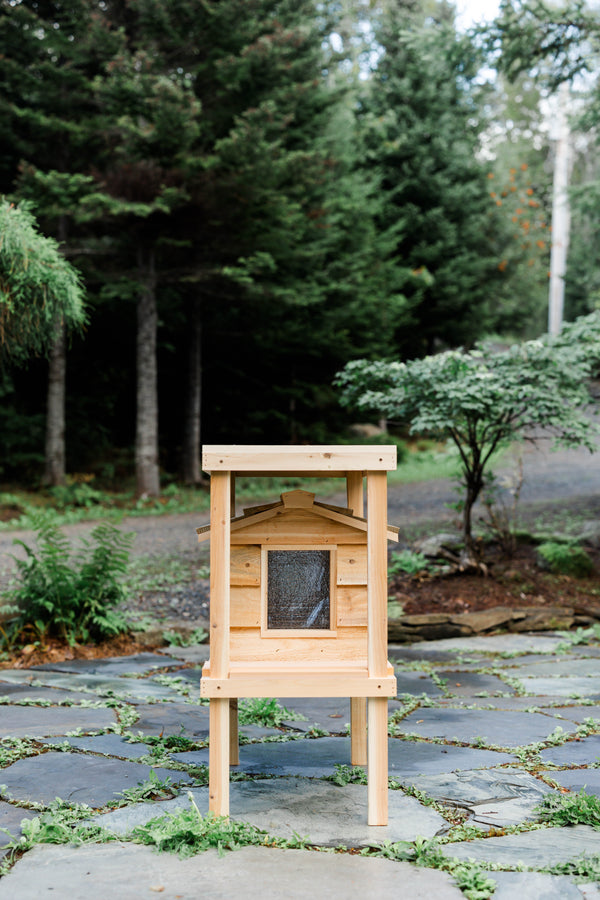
(234,743)
(377,788)
(358,731)
(218,757)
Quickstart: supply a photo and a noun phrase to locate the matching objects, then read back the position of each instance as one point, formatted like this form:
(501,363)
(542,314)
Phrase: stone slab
(197,653)
(128,872)
(559,668)
(535,849)
(509,703)
(584,752)
(107,745)
(187,719)
(116,686)
(258,732)
(563,687)
(76,777)
(501,728)
(470,684)
(417,683)
(534,886)
(578,780)
(44,721)
(317,758)
(140,663)
(192,676)
(575,713)
(329,713)
(416,652)
(10,819)
(17,693)
(494,643)
(327,814)
(496,797)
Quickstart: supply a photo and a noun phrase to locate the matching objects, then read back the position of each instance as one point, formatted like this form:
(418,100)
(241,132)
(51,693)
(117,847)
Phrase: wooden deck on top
(312,460)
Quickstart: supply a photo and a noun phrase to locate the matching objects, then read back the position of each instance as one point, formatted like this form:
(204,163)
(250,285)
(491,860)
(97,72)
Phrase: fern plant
(70,595)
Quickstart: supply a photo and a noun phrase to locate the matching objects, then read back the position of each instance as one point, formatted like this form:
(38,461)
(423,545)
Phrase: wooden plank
(245,565)
(377,568)
(220,494)
(306,536)
(377,753)
(358,731)
(218,757)
(282,683)
(248,645)
(289,525)
(234,739)
(355,492)
(245,607)
(352,606)
(352,565)
(290,459)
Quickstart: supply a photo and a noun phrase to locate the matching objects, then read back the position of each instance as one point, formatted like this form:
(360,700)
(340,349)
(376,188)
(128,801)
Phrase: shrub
(565,559)
(70,596)
(408,562)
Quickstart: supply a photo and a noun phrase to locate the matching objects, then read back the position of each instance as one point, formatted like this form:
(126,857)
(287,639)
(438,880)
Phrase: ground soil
(515,581)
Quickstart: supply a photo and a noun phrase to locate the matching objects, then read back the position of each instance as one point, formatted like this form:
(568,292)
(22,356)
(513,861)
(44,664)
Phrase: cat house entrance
(298,591)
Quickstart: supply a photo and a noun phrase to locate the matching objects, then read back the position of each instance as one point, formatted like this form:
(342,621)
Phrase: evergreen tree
(423,108)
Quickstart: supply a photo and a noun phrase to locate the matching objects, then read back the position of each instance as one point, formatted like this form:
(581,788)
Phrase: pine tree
(424,115)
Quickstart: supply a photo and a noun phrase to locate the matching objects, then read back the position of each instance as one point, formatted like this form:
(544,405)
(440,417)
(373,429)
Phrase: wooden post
(218,754)
(218,757)
(358,731)
(234,741)
(377,786)
(358,705)
(377,794)
(354,492)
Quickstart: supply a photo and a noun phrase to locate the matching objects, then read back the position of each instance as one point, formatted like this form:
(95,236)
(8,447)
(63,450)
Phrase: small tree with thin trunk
(481,401)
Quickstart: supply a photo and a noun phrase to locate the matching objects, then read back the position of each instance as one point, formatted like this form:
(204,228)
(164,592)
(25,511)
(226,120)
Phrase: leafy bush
(72,597)
(187,832)
(408,562)
(78,493)
(566,559)
(570,809)
(265,711)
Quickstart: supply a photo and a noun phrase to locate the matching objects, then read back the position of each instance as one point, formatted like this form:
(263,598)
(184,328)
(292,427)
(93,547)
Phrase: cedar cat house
(298,600)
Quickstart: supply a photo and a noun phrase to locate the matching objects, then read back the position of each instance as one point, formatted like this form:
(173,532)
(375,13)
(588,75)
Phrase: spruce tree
(424,115)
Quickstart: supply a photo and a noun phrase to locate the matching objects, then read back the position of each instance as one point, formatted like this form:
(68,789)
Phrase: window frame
(305,633)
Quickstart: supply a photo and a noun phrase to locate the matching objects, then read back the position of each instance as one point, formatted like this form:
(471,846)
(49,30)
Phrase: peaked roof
(297,500)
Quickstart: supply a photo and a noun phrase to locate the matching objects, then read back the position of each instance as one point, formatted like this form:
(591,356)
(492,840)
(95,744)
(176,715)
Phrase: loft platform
(299,600)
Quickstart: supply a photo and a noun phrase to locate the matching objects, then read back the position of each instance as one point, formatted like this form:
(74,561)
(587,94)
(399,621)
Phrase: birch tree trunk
(192,473)
(55,466)
(561,216)
(146,438)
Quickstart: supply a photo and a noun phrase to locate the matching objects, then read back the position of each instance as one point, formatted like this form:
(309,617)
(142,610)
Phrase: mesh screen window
(299,589)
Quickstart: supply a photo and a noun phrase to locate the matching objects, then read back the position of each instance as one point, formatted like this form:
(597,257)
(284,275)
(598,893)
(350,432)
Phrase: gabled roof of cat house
(297,500)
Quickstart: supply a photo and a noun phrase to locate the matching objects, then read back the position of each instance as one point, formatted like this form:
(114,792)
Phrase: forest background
(256,192)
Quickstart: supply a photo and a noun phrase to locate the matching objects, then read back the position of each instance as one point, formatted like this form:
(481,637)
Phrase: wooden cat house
(298,600)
